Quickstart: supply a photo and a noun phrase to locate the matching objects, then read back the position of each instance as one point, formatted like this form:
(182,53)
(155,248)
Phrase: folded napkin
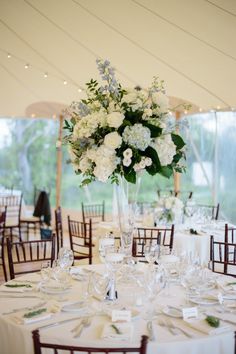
(118,331)
(204,327)
(16,288)
(21,319)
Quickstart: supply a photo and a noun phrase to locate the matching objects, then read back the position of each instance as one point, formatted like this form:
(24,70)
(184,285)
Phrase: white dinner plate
(75,307)
(204,301)
(54,290)
(172,312)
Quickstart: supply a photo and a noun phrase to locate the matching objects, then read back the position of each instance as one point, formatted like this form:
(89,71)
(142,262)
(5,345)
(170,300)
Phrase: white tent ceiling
(188,43)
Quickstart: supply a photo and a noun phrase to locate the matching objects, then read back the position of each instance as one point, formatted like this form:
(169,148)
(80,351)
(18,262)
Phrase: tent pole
(177,174)
(59,162)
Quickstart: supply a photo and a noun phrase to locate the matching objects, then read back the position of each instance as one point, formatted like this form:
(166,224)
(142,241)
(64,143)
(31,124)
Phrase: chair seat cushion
(11,222)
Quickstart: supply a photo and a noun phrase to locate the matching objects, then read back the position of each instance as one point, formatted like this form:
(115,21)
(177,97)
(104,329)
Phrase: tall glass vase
(124,212)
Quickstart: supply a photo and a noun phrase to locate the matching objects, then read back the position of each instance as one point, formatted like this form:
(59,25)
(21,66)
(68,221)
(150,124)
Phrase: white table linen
(15,338)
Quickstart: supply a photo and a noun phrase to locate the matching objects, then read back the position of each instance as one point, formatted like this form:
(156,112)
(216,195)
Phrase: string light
(45,74)
(33,115)
(200,109)
(218,107)
(185,111)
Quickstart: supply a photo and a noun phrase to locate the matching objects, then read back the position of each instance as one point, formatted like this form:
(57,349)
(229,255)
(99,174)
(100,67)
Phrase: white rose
(84,164)
(112,140)
(115,119)
(128,153)
(127,161)
(148,161)
(161,100)
(130,97)
(168,204)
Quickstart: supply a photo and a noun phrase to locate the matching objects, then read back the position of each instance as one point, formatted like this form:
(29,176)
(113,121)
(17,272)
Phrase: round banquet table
(16,338)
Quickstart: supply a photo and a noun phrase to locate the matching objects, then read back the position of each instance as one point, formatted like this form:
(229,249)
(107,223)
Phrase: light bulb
(26,66)
(65,82)
(9,55)
(45,75)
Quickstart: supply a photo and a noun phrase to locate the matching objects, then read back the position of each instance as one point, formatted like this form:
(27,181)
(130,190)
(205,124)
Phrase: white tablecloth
(183,240)
(15,338)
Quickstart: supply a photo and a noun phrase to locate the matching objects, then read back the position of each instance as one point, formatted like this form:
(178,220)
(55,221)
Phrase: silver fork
(163,323)
(174,328)
(79,328)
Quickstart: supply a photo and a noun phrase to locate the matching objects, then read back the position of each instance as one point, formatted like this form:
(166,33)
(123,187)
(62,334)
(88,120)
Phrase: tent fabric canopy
(48,50)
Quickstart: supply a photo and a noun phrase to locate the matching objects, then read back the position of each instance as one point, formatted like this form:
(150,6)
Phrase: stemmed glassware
(152,253)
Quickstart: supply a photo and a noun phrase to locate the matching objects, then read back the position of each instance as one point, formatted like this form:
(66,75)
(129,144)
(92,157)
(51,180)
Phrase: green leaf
(85,182)
(131,176)
(166,171)
(34,313)
(178,141)
(155,131)
(213,321)
(156,165)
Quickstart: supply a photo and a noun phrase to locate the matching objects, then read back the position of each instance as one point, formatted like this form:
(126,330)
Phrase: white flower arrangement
(170,208)
(118,131)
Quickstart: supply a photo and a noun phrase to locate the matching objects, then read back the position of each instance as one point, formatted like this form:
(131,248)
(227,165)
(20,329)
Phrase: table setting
(99,305)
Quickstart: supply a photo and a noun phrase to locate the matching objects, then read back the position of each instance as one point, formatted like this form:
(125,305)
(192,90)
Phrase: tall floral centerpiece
(115,133)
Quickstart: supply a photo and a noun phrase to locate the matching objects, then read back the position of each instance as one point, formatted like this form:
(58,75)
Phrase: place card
(190,312)
(121,316)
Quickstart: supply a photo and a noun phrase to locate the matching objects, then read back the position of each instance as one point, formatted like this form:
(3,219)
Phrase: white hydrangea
(115,119)
(84,164)
(85,127)
(106,162)
(137,136)
(112,140)
(165,149)
(161,100)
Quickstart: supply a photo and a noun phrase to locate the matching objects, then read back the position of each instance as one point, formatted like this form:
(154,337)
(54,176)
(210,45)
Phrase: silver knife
(58,323)
(150,331)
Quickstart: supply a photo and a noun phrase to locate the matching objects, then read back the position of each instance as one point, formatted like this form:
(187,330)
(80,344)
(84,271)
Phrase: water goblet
(45,271)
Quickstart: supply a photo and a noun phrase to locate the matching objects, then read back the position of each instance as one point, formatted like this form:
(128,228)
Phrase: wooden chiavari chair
(3,214)
(223,255)
(95,212)
(13,204)
(80,234)
(213,210)
(162,236)
(26,257)
(38,345)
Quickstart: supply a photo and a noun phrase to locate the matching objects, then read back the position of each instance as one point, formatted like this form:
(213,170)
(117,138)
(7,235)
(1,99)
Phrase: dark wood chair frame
(225,249)
(215,209)
(59,228)
(24,257)
(2,240)
(146,235)
(14,201)
(89,350)
(80,231)
(95,212)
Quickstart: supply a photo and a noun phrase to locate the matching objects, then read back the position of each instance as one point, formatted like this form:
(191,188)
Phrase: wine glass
(45,271)
(152,253)
(65,257)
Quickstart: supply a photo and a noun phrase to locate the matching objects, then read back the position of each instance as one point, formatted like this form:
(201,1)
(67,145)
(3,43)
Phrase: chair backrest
(13,204)
(145,235)
(164,192)
(80,234)
(224,254)
(184,195)
(230,234)
(59,228)
(96,212)
(20,254)
(38,345)
(213,210)
(3,214)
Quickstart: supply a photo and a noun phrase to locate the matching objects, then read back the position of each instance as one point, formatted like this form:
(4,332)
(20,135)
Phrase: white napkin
(125,329)
(204,327)
(23,320)
(15,290)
